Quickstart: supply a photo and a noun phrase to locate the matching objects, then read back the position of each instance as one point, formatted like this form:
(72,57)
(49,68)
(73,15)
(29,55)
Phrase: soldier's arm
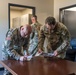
(25,46)
(65,35)
(33,44)
(41,39)
(9,42)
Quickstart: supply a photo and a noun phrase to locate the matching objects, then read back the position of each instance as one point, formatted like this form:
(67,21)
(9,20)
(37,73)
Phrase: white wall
(42,6)
(27,11)
(18,13)
(14,14)
(60,4)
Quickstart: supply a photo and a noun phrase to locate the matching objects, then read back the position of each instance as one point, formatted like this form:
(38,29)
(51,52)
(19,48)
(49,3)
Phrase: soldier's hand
(23,58)
(40,51)
(55,53)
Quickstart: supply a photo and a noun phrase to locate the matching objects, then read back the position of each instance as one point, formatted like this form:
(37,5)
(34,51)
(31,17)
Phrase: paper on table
(30,56)
(48,54)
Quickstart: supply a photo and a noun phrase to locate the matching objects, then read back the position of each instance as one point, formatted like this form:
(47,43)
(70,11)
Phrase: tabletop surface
(40,66)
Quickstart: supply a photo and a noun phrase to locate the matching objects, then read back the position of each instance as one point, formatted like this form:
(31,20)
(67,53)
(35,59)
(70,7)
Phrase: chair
(71,53)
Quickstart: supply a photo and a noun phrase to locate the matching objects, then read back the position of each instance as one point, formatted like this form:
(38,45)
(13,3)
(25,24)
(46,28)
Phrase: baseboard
(1,68)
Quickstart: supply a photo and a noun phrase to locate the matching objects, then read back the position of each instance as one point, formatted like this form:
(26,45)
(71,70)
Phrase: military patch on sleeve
(8,38)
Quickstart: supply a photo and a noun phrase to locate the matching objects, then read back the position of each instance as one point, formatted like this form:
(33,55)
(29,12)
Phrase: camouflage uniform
(32,49)
(36,27)
(58,39)
(14,46)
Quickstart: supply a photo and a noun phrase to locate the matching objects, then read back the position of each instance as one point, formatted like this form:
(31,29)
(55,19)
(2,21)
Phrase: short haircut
(34,16)
(50,21)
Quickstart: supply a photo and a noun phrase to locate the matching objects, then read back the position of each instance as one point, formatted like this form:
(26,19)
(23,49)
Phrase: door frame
(62,11)
(18,5)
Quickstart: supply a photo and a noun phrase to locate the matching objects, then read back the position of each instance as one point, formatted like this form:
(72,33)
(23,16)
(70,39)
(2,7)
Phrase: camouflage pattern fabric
(58,39)
(33,44)
(36,26)
(14,46)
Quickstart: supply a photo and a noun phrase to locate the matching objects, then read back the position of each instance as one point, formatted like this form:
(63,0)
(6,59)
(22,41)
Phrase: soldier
(35,24)
(15,44)
(58,37)
(34,35)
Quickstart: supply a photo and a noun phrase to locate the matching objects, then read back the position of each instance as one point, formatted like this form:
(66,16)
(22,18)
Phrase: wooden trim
(11,71)
(17,5)
(64,9)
